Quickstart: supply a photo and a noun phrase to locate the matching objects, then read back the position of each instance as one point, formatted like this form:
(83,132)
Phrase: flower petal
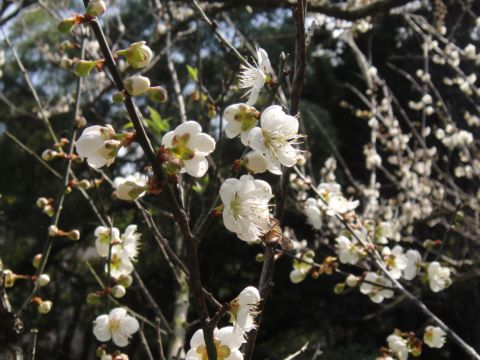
(203,143)
(255,140)
(167,139)
(196,167)
(191,127)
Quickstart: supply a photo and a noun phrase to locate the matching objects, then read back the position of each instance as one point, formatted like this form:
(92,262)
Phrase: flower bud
(73,235)
(67,25)
(84,67)
(93,299)
(297,276)
(100,353)
(43,280)
(80,122)
(137,85)
(125,281)
(301,161)
(118,291)
(53,230)
(138,55)
(10,278)
(96,8)
(118,97)
(84,184)
(44,307)
(37,259)
(158,94)
(351,280)
(42,202)
(49,154)
(49,210)
(259,258)
(339,288)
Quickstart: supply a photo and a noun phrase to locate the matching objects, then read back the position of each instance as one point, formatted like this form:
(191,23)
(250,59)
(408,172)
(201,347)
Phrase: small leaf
(193,72)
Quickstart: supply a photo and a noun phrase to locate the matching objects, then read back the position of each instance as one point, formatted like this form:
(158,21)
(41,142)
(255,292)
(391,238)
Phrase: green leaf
(193,72)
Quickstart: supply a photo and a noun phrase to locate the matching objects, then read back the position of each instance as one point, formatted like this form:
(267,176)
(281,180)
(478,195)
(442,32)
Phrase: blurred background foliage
(347,326)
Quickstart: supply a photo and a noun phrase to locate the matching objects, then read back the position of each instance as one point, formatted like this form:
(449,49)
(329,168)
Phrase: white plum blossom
(438,277)
(434,337)
(395,260)
(227,343)
(314,216)
(332,200)
(244,309)
(347,250)
(190,146)
(240,118)
(131,187)
(98,144)
(399,346)
(377,293)
(253,78)
(275,138)
(125,253)
(117,325)
(246,209)
(105,236)
(302,266)
(413,259)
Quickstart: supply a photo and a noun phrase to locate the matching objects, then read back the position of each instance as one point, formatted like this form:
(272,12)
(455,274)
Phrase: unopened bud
(301,161)
(43,280)
(137,85)
(53,231)
(84,184)
(80,122)
(83,67)
(73,235)
(37,259)
(297,276)
(42,202)
(259,257)
(9,277)
(339,288)
(351,280)
(118,291)
(93,299)
(125,281)
(100,353)
(67,25)
(49,210)
(138,55)
(44,307)
(158,94)
(96,8)
(49,154)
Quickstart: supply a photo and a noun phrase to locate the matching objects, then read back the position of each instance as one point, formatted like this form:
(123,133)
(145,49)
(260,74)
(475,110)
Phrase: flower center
(180,148)
(223,351)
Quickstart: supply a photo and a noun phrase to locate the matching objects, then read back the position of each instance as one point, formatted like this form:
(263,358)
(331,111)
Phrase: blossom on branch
(227,343)
(117,325)
(434,337)
(244,309)
(190,146)
(246,211)
(275,138)
(99,145)
(253,78)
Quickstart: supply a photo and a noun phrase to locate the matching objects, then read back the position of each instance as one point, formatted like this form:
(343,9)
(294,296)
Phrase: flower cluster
(229,339)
